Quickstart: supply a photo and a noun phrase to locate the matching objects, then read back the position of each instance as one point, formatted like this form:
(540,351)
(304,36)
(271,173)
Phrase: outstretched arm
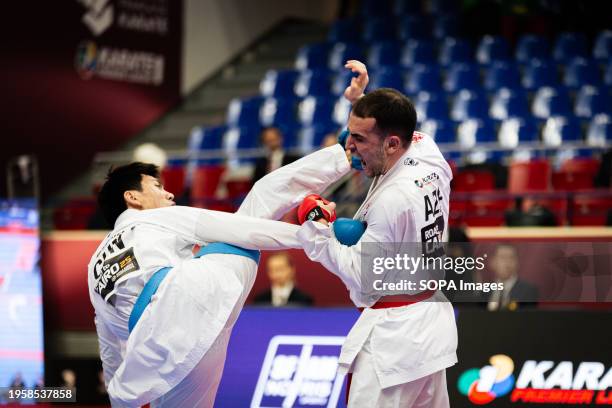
(203,226)
(283,189)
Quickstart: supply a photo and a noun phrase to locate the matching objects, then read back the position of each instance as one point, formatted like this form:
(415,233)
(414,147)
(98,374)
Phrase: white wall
(215,31)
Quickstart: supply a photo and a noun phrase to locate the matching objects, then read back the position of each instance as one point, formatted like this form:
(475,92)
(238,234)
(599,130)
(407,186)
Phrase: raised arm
(358,84)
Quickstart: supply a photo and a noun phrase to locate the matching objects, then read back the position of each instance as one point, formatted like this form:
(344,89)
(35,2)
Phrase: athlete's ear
(393,143)
(131,199)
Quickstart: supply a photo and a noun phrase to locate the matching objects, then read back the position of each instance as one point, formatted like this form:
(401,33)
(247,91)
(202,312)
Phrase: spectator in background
(68,378)
(516,293)
(272,141)
(17,381)
(282,292)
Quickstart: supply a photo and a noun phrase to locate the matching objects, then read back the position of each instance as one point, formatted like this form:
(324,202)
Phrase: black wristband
(315,214)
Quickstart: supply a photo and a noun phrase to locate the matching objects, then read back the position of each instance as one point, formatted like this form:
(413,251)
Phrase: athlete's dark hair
(118,181)
(393,111)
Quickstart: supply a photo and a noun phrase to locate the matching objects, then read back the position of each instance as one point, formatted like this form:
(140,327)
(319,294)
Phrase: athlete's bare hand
(359,83)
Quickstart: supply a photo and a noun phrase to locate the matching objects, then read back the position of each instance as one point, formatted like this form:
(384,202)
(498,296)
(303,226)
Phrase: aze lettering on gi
(114,262)
(431,234)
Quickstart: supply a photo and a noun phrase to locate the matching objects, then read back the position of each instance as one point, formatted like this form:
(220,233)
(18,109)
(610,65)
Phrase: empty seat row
(555,132)
(452,47)
(464,104)
(433,78)
(508,103)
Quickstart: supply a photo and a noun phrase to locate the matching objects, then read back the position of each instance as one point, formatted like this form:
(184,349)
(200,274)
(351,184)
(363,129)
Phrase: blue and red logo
(494,380)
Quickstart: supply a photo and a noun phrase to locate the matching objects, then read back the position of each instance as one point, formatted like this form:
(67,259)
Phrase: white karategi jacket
(407,342)
(175,354)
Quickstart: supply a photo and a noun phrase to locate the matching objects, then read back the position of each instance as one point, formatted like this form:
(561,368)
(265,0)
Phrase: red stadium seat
(457,211)
(487,212)
(569,181)
(174,179)
(576,174)
(529,176)
(75,214)
(205,181)
(237,189)
(581,165)
(590,210)
(474,180)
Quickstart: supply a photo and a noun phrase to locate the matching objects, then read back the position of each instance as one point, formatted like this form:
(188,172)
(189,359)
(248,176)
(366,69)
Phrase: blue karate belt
(154,281)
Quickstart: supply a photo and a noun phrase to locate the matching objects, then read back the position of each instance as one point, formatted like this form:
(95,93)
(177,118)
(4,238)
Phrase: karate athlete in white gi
(397,354)
(171,352)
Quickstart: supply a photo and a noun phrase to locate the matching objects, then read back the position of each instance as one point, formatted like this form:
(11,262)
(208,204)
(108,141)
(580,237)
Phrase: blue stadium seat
(581,71)
(313,83)
(446,25)
(442,131)
(530,47)
(418,52)
(549,102)
(561,129)
(343,30)
(202,139)
(591,101)
(387,78)
(315,110)
(492,48)
(290,132)
(602,49)
(469,105)
(236,138)
(312,56)
(431,106)
(310,137)
(413,27)
(608,75)
(278,83)
(507,103)
(277,111)
(244,112)
(472,132)
(455,50)
(342,52)
(600,130)
(341,81)
(502,75)
(384,54)
(378,30)
(539,73)
(569,46)
(462,76)
(423,77)
(515,131)
(342,109)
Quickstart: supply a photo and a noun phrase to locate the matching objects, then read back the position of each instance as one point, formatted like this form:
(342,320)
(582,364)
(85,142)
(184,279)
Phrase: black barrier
(532,359)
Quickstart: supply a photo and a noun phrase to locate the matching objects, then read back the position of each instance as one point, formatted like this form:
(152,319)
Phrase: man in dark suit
(517,293)
(272,141)
(282,292)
